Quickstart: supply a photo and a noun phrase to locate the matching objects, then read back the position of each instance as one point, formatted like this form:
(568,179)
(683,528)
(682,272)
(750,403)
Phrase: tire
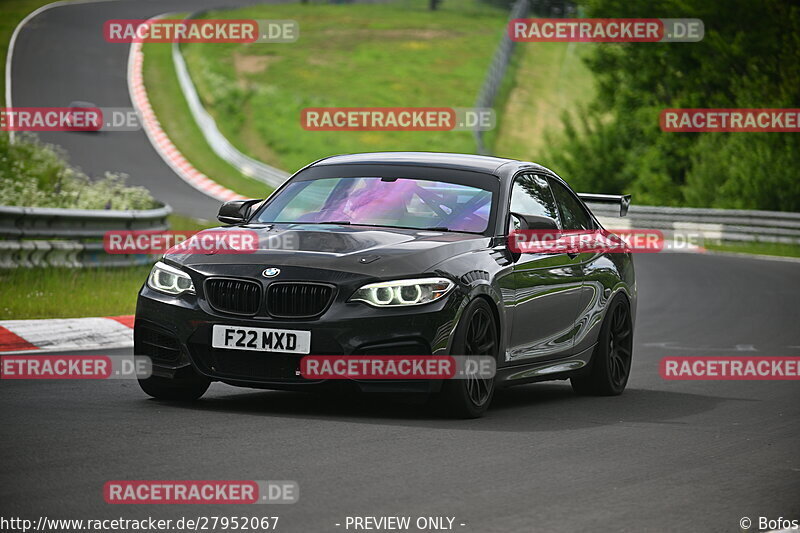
(611,360)
(476,334)
(179,389)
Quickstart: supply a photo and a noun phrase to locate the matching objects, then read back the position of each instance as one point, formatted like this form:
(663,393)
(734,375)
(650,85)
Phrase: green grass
(68,293)
(183,223)
(759,248)
(59,292)
(353,55)
(173,113)
(550,79)
(507,87)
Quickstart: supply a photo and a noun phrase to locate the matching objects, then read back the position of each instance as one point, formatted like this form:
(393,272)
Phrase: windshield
(373,201)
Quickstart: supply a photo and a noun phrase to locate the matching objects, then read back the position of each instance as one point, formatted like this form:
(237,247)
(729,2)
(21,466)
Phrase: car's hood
(356,249)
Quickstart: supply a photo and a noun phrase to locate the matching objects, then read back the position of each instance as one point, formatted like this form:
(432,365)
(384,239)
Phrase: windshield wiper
(348,223)
(448,230)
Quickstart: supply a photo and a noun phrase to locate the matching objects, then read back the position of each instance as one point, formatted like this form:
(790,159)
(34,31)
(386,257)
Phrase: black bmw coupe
(395,254)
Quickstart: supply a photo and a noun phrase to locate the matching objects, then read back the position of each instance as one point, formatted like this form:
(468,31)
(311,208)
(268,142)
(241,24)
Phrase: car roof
(476,163)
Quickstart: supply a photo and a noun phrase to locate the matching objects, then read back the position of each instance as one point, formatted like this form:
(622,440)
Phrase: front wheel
(182,389)
(476,334)
(611,360)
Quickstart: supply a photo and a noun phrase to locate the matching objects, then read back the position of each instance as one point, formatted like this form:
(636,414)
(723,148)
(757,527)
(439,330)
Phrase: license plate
(261,339)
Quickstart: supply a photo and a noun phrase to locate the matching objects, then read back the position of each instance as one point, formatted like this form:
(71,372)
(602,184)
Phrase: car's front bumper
(176,334)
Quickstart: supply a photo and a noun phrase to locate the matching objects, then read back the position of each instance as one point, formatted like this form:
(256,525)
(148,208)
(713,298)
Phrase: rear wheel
(183,389)
(476,335)
(611,360)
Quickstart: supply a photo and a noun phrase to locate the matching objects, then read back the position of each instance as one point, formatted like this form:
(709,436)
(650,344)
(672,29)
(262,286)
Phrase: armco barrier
(43,236)
(32,236)
(221,146)
(712,224)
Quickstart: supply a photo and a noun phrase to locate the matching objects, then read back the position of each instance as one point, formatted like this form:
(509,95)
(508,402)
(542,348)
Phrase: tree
(748,58)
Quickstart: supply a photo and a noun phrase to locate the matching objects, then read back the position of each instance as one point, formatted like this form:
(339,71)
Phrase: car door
(546,285)
(587,265)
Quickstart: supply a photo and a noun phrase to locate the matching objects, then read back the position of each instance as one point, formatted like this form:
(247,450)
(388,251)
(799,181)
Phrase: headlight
(165,278)
(403,292)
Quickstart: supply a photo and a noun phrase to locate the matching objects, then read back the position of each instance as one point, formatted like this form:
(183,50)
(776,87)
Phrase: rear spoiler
(624,200)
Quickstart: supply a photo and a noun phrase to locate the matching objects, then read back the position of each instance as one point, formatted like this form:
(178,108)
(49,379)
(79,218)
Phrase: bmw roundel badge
(271,272)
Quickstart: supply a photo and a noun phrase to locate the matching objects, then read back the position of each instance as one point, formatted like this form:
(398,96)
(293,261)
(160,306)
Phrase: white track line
(138,95)
(13,40)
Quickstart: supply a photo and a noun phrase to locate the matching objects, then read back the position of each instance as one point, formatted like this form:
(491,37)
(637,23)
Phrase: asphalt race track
(665,456)
(83,66)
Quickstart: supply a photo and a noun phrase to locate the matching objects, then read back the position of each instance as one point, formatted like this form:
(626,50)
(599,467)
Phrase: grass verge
(184,223)
(69,293)
(550,80)
(348,55)
(759,248)
(164,93)
(30,293)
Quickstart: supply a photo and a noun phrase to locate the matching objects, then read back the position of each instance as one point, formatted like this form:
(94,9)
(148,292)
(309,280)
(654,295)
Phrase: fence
(496,72)
(39,236)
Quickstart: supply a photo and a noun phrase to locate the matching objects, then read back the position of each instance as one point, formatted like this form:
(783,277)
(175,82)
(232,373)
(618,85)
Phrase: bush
(749,58)
(37,175)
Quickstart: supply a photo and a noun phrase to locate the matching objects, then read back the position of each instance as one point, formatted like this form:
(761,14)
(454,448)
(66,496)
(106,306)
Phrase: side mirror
(531,234)
(535,222)
(236,211)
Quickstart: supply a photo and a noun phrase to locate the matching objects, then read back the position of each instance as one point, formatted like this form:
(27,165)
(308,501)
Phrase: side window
(531,196)
(573,214)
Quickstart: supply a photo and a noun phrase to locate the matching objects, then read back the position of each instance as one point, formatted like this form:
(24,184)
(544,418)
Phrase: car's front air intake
(298,300)
(160,346)
(235,296)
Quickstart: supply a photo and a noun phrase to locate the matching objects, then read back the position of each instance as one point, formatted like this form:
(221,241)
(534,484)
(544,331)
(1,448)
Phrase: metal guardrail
(44,236)
(221,146)
(711,224)
(496,72)
(48,237)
